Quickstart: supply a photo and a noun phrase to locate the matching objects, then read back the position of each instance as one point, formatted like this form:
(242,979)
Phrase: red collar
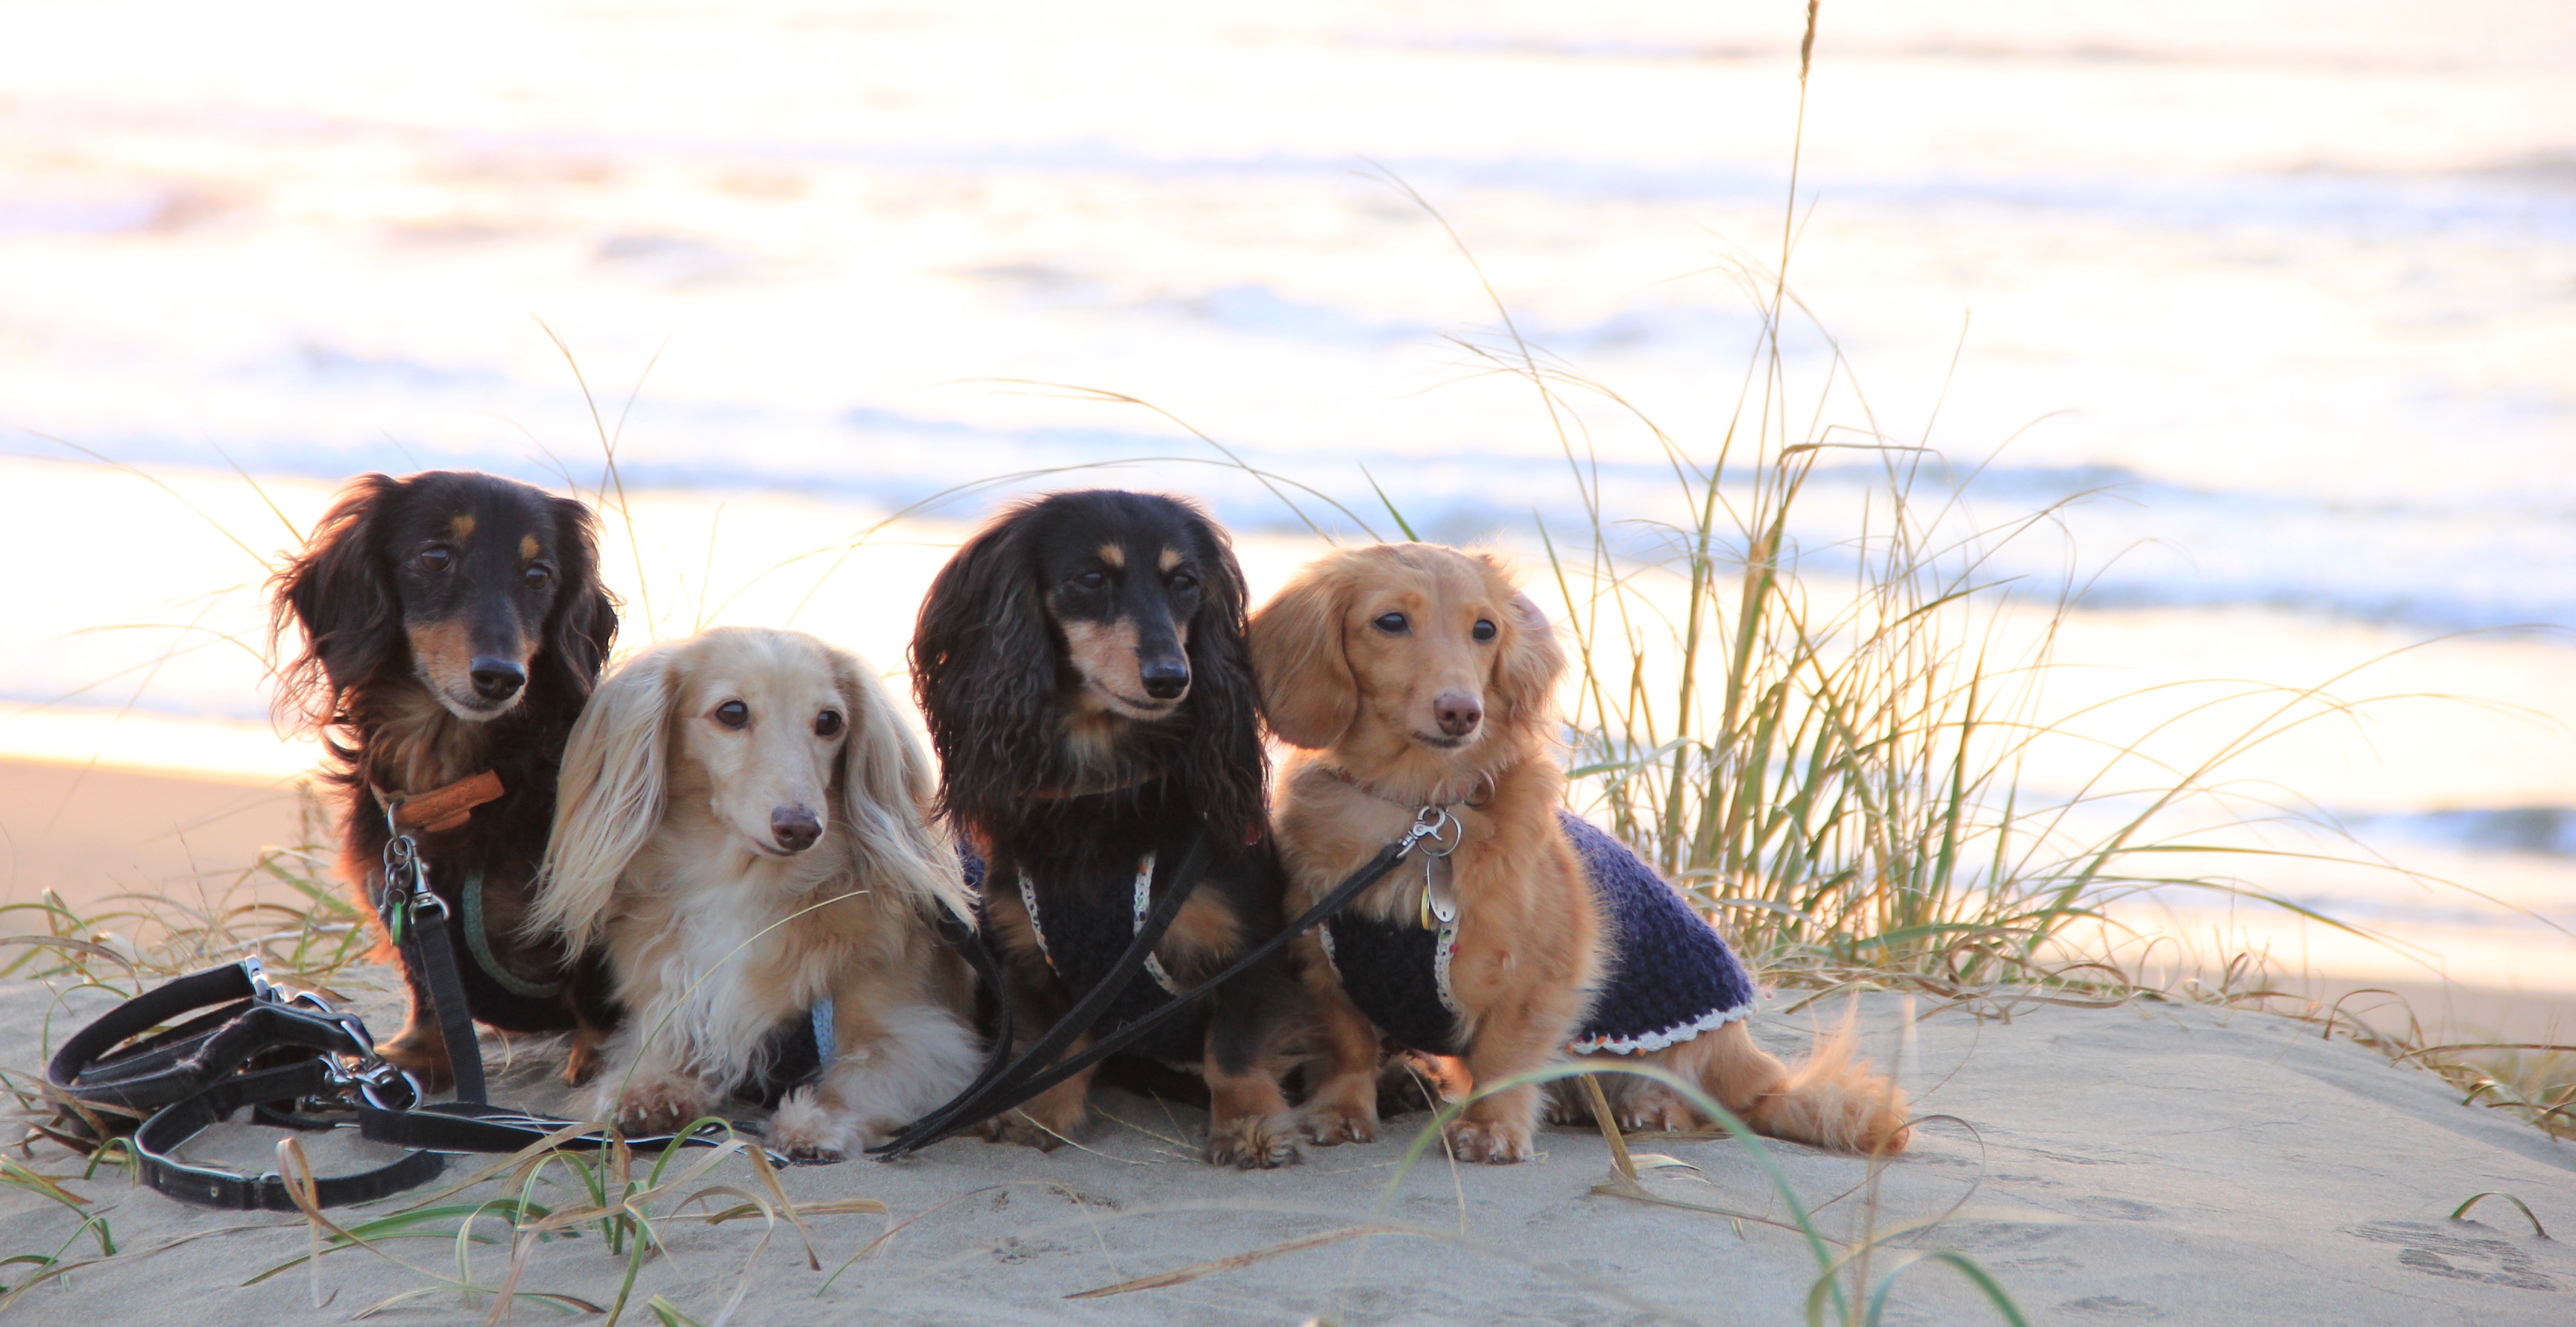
(1475,791)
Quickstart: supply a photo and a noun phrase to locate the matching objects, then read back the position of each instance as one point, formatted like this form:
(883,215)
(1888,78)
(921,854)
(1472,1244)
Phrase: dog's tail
(1833,1099)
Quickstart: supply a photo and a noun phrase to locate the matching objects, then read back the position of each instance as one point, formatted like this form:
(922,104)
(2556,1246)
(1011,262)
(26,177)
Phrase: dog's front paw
(659,1104)
(1329,1123)
(1495,1142)
(422,1055)
(1016,1127)
(805,1130)
(1254,1142)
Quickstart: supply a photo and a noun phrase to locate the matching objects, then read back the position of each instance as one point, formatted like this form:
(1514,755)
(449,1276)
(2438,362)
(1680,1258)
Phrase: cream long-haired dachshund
(742,818)
(1417,678)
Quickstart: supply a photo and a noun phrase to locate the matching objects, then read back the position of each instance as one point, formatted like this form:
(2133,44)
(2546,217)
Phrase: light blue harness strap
(823,1047)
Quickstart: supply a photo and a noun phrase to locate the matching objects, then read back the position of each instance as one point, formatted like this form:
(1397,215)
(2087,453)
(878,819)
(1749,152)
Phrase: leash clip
(373,1077)
(407,891)
(1433,823)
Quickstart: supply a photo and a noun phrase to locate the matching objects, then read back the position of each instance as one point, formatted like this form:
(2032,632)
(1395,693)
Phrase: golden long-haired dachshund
(1417,682)
(742,818)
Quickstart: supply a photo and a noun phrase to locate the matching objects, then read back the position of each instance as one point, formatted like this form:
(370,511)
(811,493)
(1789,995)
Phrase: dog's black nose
(795,828)
(1458,712)
(498,679)
(1165,678)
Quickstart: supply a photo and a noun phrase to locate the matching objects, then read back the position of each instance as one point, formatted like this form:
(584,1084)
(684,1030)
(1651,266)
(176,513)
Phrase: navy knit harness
(1672,976)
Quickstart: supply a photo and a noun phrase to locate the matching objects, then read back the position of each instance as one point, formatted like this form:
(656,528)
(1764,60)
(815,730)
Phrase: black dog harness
(1088,936)
(1673,976)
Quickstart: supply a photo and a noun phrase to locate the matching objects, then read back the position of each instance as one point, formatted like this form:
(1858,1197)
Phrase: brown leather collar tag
(442,809)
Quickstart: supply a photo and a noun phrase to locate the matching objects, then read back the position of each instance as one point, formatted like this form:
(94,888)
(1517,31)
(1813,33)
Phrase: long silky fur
(987,664)
(713,1005)
(609,802)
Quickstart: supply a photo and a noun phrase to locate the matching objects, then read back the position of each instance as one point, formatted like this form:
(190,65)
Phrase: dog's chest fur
(715,945)
(413,744)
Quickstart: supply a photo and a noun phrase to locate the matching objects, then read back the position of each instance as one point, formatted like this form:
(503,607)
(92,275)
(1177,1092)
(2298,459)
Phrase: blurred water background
(2286,289)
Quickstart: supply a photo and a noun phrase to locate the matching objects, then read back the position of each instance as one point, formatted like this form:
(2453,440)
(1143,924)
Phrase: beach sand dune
(2151,1163)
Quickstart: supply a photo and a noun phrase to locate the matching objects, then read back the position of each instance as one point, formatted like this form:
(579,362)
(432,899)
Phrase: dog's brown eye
(437,557)
(1484,630)
(1182,580)
(1091,580)
(733,714)
(537,576)
(1392,624)
(827,724)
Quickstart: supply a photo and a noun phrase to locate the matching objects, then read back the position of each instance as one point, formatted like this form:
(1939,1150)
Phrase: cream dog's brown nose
(795,828)
(1458,712)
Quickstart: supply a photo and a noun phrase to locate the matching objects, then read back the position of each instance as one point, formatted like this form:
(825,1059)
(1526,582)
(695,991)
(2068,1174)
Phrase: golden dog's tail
(1832,1099)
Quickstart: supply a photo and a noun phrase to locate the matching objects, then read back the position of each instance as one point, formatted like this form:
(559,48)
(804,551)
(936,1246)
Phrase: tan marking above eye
(1114,555)
(1171,559)
(462,526)
(527,546)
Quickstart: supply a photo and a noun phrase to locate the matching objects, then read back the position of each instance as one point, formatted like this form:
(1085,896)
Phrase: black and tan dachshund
(1082,665)
(452,624)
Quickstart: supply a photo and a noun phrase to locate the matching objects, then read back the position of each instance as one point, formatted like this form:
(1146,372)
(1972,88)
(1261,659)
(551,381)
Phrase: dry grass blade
(1184,1275)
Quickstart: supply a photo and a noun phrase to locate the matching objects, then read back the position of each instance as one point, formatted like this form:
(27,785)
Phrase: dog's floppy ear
(583,624)
(885,797)
(1225,767)
(984,670)
(609,800)
(1306,685)
(1531,660)
(337,592)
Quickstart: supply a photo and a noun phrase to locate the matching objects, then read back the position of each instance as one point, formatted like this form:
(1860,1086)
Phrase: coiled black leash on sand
(302,1065)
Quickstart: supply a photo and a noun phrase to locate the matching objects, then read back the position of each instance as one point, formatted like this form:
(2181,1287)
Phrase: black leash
(949,1118)
(1032,1073)
(260,1044)
(301,1064)
(416,917)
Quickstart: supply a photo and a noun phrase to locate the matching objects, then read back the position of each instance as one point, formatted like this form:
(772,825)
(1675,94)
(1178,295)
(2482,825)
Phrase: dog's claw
(647,1107)
(1254,1142)
(426,1063)
(1331,1126)
(1492,1142)
(1016,1128)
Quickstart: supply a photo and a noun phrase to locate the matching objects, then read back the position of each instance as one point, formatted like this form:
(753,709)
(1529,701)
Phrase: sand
(91,832)
(2159,1162)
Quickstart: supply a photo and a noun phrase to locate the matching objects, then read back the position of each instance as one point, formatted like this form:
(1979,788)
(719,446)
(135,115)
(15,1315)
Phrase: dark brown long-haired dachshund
(1082,665)
(453,623)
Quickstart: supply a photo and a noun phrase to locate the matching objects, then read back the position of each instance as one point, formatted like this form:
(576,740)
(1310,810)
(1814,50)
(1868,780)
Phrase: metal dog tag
(1439,892)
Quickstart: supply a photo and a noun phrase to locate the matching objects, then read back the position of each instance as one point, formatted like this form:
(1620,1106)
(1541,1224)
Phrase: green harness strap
(481,947)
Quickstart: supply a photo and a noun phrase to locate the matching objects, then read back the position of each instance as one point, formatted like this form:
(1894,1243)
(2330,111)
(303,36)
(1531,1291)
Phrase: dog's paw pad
(1328,1126)
(1016,1128)
(806,1131)
(1488,1141)
(1255,1142)
(658,1106)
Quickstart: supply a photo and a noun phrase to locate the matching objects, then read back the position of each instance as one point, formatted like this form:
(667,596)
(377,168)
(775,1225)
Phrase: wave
(2482,562)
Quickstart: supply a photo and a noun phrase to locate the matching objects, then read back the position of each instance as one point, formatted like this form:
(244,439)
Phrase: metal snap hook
(1435,824)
